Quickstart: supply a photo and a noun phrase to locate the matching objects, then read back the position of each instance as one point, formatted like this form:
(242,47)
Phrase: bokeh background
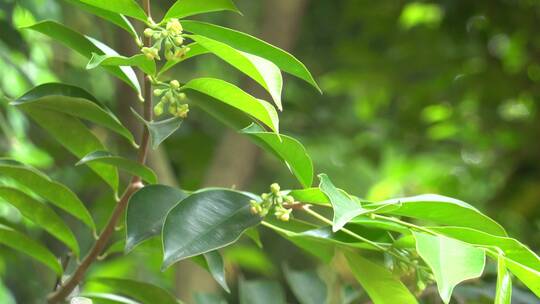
(418,97)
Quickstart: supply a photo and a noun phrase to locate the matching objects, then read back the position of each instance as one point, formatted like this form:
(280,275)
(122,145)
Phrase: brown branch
(67,287)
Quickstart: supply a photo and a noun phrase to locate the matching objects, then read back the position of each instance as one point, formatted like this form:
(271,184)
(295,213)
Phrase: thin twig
(67,287)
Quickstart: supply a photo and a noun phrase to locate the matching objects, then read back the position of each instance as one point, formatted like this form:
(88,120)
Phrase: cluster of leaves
(449,246)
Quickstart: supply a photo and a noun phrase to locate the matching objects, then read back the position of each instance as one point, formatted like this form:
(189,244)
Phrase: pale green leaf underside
(379,283)
(451,261)
(237,98)
(186,8)
(286,148)
(141,61)
(28,246)
(54,192)
(125,7)
(503,293)
(528,276)
(345,208)
(125,164)
(41,215)
(160,129)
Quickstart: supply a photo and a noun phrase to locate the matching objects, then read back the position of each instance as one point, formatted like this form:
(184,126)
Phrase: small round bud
(174,26)
(264,196)
(175,84)
(158,109)
(181,96)
(148,32)
(178,40)
(173,109)
(158,92)
(156,35)
(274,188)
(182,111)
(289,199)
(284,217)
(169,55)
(253,210)
(279,199)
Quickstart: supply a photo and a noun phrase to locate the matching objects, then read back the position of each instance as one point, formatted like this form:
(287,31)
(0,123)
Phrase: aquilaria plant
(426,239)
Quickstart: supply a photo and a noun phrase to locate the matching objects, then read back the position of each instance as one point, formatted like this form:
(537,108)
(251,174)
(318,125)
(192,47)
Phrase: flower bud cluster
(170,36)
(274,201)
(172,98)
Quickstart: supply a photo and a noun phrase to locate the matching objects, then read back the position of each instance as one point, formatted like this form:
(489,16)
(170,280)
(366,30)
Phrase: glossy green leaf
(249,44)
(528,276)
(128,165)
(142,292)
(141,61)
(310,196)
(379,283)
(52,191)
(212,261)
(286,148)
(125,7)
(85,46)
(108,298)
(503,294)
(451,261)
(194,50)
(26,245)
(228,115)
(261,292)
(445,211)
(146,212)
(306,286)
(259,69)
(235,97)
(74,101)
(114,18)
(75,137)
(41,215)
(345,207)
(511,248)
(205,221)
(160,129)
(186,8)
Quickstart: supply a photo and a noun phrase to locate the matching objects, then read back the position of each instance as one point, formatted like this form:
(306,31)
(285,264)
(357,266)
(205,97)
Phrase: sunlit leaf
(381,285)
(259,69)
(125,7)
(249,44)
(237,98)
(142,292)
(185,8)
(108,298)
(528,276)
(146,212)
(345,207)
(26,245)
(451,261)
(194,50)
(128,165)
(141,61)
(85,46)
(286,148)
(41,215)
(205,221)
(503,294)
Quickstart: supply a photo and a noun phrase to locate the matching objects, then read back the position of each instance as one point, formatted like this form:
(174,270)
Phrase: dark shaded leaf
(128,165)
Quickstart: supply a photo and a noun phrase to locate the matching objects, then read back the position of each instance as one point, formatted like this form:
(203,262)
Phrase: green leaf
(286,148)
(345,207)
(213,262)
(264,72)
(115,18)
(74,101)
(75,137)
(41,215)
(528,276)
(194,50)
(185,8)
(26,245)
(107,298)
(379,283)
(306,286)
(141,61)
(503,293)
(235,97)
(451,261)
(310,196)
(142,292)
(85,46)
(146,212)
(54,192)
(206,298)
(249,44)
(444,210)
(161,129)
(261,292)
(124,7)
(228,115)
(205,221)
(125,164)
(511,248)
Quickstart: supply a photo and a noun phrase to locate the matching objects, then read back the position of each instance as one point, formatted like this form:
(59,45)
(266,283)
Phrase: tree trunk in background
(235,158)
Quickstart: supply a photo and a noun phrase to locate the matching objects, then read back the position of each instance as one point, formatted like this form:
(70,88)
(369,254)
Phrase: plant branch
(69,285)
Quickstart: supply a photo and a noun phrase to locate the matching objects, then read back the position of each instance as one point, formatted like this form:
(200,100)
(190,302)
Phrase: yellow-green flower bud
(181,96)
(182,111)
(156,35)
(175,84)
(274,188)
(264,196)
(148,32)
(169,55)
(158,92)
(158,109)
(178,40)
(253,210)
(150,53)
(173,109)
(174,26)
(289,199)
